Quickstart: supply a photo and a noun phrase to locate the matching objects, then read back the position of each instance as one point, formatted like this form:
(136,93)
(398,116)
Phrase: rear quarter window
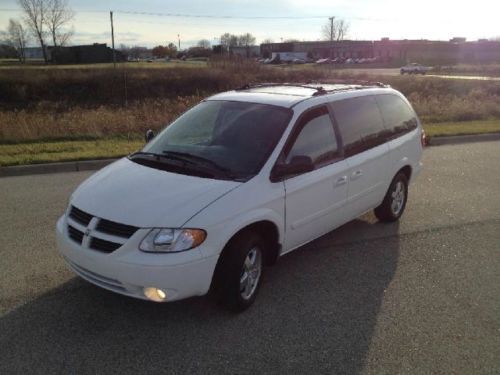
(360,124)
(399,117)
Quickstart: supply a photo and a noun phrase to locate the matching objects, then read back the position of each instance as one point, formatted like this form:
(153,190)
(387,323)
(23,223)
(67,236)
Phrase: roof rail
(359,82)
(248,86)
(319,90)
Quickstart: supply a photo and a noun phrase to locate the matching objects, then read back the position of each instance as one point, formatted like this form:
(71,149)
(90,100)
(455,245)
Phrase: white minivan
(237,181)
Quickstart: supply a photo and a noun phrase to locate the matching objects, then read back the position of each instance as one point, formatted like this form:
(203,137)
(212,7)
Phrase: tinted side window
(360,124)
(316,138)
(399,118)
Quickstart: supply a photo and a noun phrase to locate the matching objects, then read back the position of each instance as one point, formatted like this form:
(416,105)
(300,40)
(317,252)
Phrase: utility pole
(113,39)
(331,35)
(331,28)
(179,41)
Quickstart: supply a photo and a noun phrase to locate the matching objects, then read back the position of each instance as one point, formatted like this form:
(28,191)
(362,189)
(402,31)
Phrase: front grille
(80,216)
(92,232)
(75,234)
(103,245)
(116,229)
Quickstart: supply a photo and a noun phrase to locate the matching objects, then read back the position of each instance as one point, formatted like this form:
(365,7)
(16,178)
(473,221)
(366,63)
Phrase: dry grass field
(96,102)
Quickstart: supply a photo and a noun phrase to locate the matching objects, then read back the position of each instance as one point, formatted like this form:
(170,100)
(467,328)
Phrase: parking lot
(419,296)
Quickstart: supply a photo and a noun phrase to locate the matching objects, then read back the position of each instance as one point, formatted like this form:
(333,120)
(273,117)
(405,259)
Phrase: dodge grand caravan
(237,181)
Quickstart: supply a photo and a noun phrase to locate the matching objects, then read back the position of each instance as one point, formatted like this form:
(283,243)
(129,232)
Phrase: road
(396,72)
(420,296)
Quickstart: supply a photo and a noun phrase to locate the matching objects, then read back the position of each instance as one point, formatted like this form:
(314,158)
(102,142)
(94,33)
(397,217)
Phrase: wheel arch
(271,235)
(269,232)
(406,170)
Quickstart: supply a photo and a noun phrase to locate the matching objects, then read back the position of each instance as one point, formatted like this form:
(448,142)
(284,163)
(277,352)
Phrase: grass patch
(84,102)
(462,128)
(48,152)
(39,65)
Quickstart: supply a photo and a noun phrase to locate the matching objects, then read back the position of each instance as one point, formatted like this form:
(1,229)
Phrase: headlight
(172,240)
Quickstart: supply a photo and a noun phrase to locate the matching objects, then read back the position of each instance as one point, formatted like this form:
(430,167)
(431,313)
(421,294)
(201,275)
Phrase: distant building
(424,51)
(35,52)
(85,54)
(245,51)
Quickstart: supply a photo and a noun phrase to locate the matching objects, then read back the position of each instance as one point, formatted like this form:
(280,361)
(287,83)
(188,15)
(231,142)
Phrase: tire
(239,272)
(394,203)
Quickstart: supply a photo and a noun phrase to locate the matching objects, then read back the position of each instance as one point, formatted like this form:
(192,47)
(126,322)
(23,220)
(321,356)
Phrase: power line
(183,15)
(212,16)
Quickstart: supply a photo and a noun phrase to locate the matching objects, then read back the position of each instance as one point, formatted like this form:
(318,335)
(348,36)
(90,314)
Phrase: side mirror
(298,165)
(149,135)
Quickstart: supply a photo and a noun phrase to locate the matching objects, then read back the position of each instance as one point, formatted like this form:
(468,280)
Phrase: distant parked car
(414,68)
(323,61)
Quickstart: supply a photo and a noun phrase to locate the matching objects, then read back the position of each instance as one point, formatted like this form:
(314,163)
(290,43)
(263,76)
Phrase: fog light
(155,294)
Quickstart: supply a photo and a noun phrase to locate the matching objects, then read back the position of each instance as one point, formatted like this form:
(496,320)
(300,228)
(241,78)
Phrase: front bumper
(127,270)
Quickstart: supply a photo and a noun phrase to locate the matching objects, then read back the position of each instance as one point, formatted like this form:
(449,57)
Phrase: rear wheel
(394,202)
(239,272)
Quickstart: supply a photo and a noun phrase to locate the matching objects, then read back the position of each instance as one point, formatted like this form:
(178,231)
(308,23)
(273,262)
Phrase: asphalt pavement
(397,72)
(420,296)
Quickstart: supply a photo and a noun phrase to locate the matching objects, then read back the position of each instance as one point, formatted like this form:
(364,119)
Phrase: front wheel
(239,273)
(394,202)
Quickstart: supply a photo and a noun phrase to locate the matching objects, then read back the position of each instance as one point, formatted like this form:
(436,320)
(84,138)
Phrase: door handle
(356,175)
(341,181)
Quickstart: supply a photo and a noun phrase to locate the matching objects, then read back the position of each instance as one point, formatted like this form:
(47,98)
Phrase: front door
(315,201)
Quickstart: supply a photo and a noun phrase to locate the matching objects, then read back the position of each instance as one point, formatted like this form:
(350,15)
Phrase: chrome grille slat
(116,229)
(75,234)
(103,245)
(75,224)
(80,216)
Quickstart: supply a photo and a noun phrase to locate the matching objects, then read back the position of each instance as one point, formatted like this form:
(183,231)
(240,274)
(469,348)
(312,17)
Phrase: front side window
(316,138)
(360,124)
(235,138)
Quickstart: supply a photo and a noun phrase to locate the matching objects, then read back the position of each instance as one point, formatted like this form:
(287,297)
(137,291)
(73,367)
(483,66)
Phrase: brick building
(424,51)
(85,54)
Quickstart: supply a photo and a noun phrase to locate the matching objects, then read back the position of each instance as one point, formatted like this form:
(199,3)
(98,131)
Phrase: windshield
(219,139)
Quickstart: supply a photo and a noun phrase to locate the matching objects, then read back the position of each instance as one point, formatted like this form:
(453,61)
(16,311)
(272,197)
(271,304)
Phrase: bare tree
(228,40)
(58,15)
(204,43)
(17,37)
(335,30)
(267,41)
(246,40)
(35,13)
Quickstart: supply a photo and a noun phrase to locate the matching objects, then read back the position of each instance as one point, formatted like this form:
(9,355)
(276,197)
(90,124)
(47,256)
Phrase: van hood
(133,194)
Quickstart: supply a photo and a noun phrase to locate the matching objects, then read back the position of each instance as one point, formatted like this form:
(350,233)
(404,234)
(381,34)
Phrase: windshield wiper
(184,156)
(158,156)
(152,159)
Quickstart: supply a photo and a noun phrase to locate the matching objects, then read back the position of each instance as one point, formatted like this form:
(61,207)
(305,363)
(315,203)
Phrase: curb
(90,165)
(71,166)
(458,139)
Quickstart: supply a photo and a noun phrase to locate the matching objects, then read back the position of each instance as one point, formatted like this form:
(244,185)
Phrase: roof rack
(248,86)
(319,90)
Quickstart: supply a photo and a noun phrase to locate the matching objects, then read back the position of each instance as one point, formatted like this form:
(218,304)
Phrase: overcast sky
(370,20)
